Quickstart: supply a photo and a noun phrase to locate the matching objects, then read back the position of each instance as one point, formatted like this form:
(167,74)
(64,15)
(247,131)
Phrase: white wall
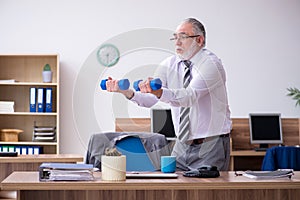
(258,42)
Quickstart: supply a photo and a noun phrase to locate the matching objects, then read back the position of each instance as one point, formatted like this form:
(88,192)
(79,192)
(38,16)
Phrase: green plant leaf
(47,67)
(295,94)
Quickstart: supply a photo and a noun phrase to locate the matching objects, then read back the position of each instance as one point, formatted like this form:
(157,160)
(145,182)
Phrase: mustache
(178,48)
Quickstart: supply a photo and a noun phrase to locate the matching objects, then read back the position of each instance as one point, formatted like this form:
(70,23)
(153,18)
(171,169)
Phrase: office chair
(137,158)
(281,158)
(142,150)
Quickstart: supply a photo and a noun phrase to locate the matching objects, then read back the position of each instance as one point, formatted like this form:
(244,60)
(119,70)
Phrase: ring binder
(48,100)
(65,172)
(41,100)
(32,100)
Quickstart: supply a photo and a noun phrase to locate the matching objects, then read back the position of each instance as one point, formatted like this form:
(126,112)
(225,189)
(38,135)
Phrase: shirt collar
(194,59)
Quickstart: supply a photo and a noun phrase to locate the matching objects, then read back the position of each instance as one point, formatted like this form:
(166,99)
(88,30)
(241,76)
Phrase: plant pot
(47,76)
(113,168)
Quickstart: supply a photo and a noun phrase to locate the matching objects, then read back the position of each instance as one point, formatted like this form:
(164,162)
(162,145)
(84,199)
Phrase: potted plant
(295,94)
(113,165)
(47,74)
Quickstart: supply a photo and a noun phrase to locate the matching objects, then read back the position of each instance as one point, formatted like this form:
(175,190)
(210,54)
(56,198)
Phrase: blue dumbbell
(155,84)
(123,84)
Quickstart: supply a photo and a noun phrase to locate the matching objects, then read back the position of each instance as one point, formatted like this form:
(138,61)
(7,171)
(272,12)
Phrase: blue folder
(48,100)
(41,100)
(32,99)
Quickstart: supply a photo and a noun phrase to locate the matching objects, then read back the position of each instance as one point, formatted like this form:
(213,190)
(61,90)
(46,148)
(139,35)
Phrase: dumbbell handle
(123,84)
(155,84)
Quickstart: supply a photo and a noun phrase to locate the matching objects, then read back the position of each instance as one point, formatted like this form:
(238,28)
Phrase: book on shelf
(7,106)
(66,172)
(21,150)
(8,81)
(281,173)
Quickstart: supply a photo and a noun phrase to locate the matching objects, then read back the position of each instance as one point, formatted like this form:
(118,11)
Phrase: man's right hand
(112,85)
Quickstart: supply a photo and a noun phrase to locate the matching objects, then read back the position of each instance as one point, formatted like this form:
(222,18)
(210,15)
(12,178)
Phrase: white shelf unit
(26,71)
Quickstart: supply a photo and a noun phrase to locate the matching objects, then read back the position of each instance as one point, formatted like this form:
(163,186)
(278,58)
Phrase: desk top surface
(227,180)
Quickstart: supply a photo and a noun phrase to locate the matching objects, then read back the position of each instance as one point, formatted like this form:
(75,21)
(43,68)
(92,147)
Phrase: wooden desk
(246,160)
(32,162)
(227,186)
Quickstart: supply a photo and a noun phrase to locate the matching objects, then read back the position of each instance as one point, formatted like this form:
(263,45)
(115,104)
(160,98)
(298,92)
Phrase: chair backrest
(142,150)
(137,158)
(282,158)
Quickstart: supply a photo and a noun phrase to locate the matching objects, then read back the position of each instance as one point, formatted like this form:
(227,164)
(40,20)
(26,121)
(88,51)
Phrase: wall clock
(108,55)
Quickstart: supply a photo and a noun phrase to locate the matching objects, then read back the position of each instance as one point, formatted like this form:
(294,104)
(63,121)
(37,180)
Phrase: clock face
(108,55)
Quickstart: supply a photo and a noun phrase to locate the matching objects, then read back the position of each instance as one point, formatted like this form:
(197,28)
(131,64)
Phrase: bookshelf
(22,72)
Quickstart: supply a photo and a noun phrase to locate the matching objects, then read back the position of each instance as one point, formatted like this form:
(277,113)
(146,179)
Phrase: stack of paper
(269,174)
(71,175)
(44,133)
(7,106)
(66,172)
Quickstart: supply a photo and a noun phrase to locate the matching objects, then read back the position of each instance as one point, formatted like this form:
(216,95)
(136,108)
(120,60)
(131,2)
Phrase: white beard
(189,52)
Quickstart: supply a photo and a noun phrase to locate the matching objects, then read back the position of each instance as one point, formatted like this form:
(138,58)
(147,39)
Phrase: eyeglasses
(182,37)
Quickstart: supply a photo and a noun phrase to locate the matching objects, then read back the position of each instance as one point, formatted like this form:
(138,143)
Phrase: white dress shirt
(206,94)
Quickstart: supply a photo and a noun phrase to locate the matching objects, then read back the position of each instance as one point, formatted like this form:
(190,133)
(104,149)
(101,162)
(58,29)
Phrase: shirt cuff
(166,95)
(133,98)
